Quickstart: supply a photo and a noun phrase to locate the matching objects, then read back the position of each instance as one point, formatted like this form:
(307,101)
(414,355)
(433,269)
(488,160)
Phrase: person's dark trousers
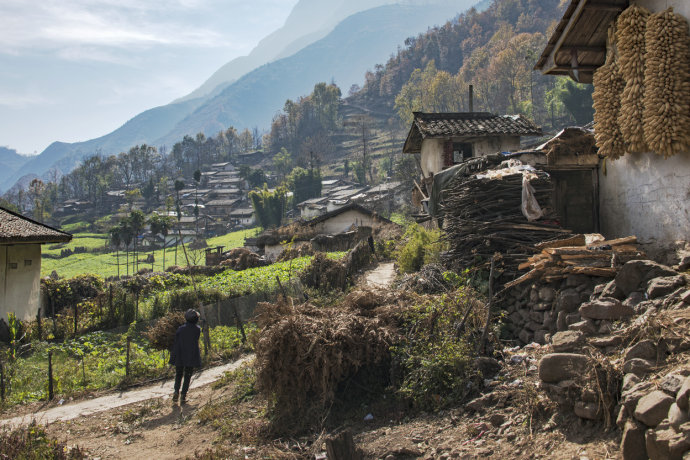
(187,372)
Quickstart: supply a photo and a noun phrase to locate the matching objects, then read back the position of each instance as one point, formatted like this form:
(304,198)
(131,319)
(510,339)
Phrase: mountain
(10,162)
(343,56)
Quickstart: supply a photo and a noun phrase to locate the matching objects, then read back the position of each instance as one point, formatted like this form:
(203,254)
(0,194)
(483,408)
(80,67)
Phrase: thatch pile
(298,250)
(303,353)
(241,259)
(325,273)
(162,334)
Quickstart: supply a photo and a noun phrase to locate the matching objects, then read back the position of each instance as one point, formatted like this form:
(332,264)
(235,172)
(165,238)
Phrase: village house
(224,166)
(242,216)
(445,139)
(221,208)
(20,263)
(640,193)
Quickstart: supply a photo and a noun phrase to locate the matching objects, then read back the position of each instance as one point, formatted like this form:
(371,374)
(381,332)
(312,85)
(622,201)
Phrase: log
(575,240)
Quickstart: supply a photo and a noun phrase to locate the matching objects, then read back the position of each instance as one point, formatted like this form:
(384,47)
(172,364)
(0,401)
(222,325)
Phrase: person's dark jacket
(185,351)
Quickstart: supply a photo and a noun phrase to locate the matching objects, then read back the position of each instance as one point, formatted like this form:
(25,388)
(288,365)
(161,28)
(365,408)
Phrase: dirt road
(70,411)
(382,276)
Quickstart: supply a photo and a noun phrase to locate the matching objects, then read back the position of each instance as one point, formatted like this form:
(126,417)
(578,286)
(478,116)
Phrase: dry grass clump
(162,334)
(299,250)
(303,353)
(325,273)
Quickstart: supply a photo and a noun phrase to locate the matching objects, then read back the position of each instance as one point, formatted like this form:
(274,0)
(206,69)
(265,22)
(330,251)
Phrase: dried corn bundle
(630,39)
(667,84)
(608,88)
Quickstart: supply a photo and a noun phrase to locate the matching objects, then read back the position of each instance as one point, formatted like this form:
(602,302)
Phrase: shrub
(31,442)
(422,247)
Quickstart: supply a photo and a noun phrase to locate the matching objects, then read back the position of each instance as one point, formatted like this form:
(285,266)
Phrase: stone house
(20,263)
(640,193)
(446,139)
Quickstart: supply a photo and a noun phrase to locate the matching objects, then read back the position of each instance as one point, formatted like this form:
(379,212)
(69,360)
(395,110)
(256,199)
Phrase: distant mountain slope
(344,56)
(143,128)
(10,162)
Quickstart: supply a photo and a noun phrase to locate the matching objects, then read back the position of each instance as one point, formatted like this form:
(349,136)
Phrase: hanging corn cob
(630,39)
(667,84)
(608,87)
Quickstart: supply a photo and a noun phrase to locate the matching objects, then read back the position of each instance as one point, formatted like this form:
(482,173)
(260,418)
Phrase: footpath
(72,410)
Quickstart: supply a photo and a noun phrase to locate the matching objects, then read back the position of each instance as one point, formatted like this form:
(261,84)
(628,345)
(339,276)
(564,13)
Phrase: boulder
(645,349)
(612,290)
(587,410)
(568,301)
(605,308)
(677,416)
(567,341)
(684,394)
(653,408)
(635,298)
(637,272)
(659,287)
(586,327)
(638,366)
(634,394)
(665,444)
(629,381)
(672,383)
(633,441)
(547,294)
(487,366)
(556,367)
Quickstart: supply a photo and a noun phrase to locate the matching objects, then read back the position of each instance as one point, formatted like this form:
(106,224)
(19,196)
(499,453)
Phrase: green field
(105,265)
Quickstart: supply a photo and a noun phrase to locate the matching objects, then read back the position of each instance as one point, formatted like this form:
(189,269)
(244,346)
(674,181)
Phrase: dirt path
(382,276)
(92,406)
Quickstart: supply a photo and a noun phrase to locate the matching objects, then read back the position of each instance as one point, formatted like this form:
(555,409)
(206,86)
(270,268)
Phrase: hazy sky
(73,70)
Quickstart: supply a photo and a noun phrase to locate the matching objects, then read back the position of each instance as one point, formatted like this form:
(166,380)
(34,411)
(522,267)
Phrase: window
(13,265)
(461,151)
(27,262)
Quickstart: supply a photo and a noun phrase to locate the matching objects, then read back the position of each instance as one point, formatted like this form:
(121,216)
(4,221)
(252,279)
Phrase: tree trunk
(342,447)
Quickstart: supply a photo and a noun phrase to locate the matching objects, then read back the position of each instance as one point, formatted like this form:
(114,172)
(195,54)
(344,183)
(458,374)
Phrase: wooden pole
(39,329)
(238,323)
(282,289)
(50,375)
(129,341)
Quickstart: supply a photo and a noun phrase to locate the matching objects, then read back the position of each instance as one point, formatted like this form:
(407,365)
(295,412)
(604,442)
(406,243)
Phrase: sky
(73,70)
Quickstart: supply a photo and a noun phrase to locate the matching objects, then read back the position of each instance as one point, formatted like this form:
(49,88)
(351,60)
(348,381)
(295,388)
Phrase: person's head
(192,316)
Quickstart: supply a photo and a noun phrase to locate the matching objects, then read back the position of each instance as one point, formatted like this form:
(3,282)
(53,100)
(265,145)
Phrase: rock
(568,301)
(677,416)
(598,289)
(572,318)
(608,341)
(561,324)
(633,442)
(605,327)
(537,317)
(488,367)
(547,294)
(612,290)
(497,420)
(645,349)
(684,394)
(634,394)
(665,444)
(586,410)
(605,308)
(636,272)
(659,287)
(556,367)
(652,408)
(634,299)
(540,336)
(586,327)
(576,280)
(671,384)
(685,297)
(482,402)
(541,306)
(638,366)
(534,295)
(622,417)
(567,341)
(629,381)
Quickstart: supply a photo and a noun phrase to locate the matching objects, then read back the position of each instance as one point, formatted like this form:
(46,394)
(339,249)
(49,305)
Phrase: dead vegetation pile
(304,353)
(428,280)
(300,250)
(328,274)
(162,334)
(241,259)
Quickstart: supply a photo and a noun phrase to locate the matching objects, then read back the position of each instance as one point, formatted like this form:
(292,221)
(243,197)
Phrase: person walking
(185,354)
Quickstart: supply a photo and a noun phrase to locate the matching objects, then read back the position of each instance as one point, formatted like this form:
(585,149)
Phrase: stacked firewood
(572,256)
(483,216)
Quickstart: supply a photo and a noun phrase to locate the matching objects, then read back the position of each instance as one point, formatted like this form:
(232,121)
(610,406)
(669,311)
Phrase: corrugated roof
(15,228)
(465,124)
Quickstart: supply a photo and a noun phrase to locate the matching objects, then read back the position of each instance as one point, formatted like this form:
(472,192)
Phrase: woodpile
(630,38)
(608,89)
(483,216)
(667,84)
(572,256)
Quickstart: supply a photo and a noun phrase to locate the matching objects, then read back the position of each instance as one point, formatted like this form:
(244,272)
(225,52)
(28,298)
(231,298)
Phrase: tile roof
(15,228)
(466,124)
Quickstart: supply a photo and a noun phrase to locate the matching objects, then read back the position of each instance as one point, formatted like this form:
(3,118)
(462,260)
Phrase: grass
(104,356)
(106,264)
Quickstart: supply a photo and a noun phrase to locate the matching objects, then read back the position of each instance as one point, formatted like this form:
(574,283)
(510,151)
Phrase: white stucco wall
(273,251)
(432,150)
(20,287)
(644,194)
(343,222)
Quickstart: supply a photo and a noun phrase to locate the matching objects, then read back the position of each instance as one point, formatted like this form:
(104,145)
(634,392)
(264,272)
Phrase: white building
(20,263)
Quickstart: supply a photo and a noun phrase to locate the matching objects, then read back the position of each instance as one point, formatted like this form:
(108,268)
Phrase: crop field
(107,264)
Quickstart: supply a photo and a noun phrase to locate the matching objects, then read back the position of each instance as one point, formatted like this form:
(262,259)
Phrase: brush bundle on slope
(162,334)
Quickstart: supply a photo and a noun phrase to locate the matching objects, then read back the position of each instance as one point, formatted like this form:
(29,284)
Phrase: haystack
(162,334)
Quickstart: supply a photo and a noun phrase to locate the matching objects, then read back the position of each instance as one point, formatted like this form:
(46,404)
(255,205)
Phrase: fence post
(129,341)
(38,325)
(207,339)
(238,323)
(52,313)
(76,319)
(50,375)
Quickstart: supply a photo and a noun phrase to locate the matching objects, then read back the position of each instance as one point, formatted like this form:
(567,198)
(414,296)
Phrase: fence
(76,369)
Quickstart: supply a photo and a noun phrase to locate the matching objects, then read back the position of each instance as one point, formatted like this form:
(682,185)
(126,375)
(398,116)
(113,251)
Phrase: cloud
(21,101)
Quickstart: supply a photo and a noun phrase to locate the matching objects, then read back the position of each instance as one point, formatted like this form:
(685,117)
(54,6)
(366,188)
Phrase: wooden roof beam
(550,63)
(584,48)
(615,7)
